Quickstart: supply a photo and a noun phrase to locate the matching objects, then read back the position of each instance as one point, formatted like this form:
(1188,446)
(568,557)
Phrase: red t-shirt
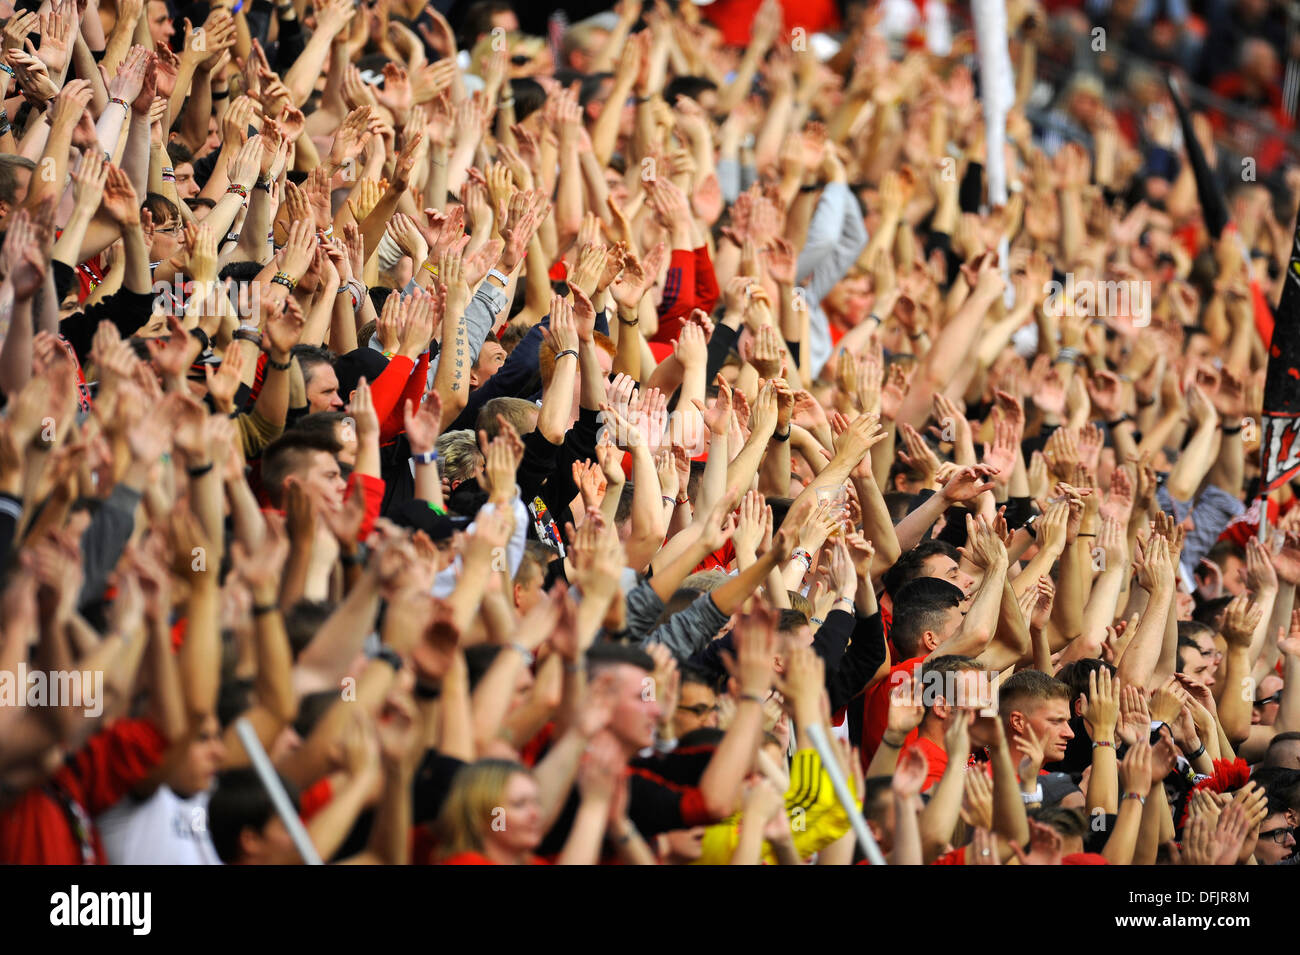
(52,824)
(936,758)
(875,708)
(735,18)
(477,858)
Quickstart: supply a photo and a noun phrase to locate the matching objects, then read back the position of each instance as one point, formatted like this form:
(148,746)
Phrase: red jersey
(875,708)
(52,824)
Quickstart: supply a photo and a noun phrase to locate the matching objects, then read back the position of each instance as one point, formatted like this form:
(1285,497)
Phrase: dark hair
(529,97)
(303,621)
(283,455)
(1281,784)
(922,605)
(790,621)
(874,803)
(512,335)
(240,802)
(309,356)
(1076,673)
(161,208)
(681,598)
(606,653)
(693,674)
(312,709)
(1207,611)
(910,566)
(689,86)
(589,87)
(179,153)
(1188,631)
(1070,823)
(1292,737)
(478,20)
(322,423)
(242,272)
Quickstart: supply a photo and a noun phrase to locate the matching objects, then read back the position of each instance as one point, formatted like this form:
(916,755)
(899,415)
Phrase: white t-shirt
(161,830)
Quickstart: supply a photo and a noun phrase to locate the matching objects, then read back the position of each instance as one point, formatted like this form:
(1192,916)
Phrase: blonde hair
(476,792)
(458,455)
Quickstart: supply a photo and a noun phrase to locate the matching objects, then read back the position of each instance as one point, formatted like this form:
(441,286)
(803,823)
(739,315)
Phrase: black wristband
(219,94)
(204,342)
(263,609)
(391,657)
(1119,421)
(423,691)
(781,437)
(279,365)
(199,471)
(1236,430)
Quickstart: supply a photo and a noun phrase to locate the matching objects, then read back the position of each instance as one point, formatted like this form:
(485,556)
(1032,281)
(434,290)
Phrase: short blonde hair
(458,455)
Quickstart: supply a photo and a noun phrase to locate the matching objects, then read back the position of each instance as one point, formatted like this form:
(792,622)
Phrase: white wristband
(1033,797)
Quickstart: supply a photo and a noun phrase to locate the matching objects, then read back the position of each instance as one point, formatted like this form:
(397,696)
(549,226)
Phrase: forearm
(1009,819)
(1138,663)
(1194,463)
(1122,844)
(200,654)
(939,818)
(1234,707)
(722,780)
(331,825)
(301,77)
(135,161)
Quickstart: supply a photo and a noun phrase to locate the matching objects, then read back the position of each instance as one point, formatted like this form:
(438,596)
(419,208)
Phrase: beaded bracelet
(237,189)
(120,102)
(8,69)
(282,278)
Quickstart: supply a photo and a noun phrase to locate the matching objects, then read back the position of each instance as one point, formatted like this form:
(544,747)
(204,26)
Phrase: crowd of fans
(539,442)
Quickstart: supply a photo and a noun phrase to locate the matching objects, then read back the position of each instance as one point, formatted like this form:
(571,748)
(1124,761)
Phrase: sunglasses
(1275,698)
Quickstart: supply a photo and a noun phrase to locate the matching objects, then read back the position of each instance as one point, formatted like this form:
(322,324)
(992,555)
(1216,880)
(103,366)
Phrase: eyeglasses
(699,709)
(1279,836)
(1212,653)
(175,229)
(1275,698)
